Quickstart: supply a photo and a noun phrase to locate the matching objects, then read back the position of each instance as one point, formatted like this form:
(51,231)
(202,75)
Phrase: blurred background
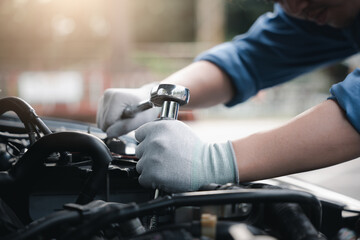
(60,55)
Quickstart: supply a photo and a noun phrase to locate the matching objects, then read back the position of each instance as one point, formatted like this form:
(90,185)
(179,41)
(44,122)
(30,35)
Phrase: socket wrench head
(169,92)
(169,97)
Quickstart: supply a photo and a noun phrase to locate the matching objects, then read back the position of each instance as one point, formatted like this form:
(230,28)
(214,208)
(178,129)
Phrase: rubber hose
(28,168)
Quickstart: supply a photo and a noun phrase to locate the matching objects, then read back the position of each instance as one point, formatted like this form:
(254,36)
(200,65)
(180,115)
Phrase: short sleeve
(277,48)
(347,94)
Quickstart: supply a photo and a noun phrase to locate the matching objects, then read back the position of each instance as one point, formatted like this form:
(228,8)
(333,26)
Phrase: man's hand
(174,159)
(112,104)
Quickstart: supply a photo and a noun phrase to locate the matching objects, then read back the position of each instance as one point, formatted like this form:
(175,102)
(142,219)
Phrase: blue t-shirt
(278,48)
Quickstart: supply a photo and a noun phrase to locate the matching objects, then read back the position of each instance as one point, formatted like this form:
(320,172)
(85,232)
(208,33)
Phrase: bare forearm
(317,138)
(207,83)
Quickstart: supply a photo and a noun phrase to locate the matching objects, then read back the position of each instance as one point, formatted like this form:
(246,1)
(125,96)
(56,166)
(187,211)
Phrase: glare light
(18,3)
(63,25)
(99,25)
(44,1)
(51,87)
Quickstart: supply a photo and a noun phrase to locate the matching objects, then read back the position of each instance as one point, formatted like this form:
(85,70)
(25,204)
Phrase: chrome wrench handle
(131,110)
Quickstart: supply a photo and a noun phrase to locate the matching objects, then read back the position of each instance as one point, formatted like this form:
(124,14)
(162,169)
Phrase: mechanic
(300,36)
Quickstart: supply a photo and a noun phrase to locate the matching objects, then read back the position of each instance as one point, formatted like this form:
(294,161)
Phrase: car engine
(65,180)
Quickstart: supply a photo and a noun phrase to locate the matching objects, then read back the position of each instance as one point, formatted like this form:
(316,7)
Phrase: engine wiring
(48,164)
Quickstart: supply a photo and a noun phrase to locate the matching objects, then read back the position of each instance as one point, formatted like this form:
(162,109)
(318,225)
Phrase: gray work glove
(112,104)
(172,158)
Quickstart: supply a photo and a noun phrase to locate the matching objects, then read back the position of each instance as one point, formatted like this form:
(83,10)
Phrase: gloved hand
(112,104)
(172,158)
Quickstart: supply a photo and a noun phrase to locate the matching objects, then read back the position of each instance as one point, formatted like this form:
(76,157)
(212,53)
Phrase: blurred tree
(163,20)
(241,14)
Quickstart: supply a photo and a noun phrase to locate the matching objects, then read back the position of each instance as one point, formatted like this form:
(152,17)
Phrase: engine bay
(65,180)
